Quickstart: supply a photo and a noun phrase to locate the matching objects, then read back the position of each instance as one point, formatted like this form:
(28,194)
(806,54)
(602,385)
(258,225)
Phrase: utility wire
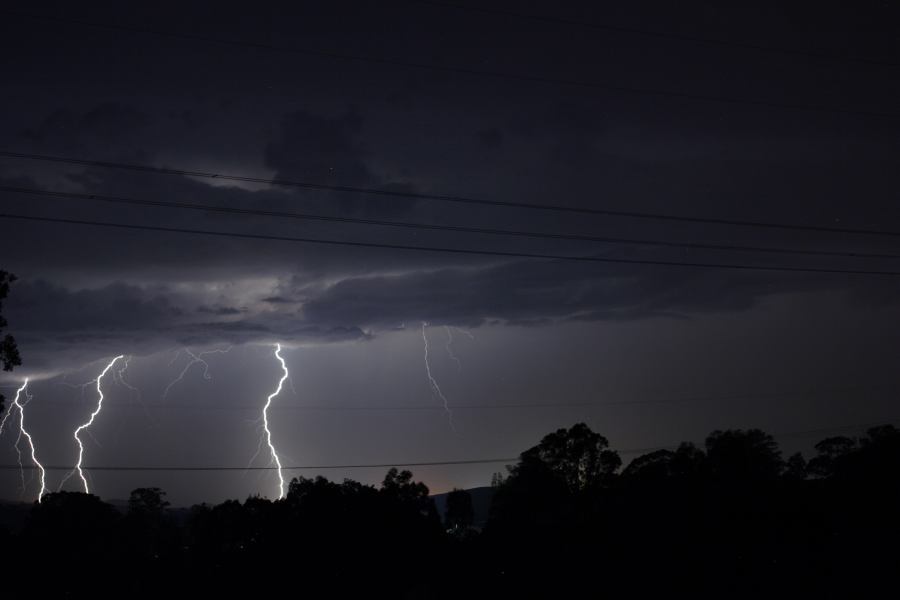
(451,198)
(461,251)
(433,227)
(490,10)
(268,468)
(584,84)
(519,405)
(477,461)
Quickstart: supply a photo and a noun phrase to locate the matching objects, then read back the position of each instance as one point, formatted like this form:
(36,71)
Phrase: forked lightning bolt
(195,359)
(88,423)
(466,333)
(435,388)
(449,347)
(19,406)
(265,418)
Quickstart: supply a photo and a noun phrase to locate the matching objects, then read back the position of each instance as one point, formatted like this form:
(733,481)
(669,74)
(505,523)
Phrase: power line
(451,198)
(657,34)
(517,405)
(585,84)
(477,461)
(383,407)
(461,251)
(433,227)
(270,468)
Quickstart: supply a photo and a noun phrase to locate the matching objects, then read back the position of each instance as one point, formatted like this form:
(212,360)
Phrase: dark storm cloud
(328,150)
(61,328)
(220,310)
(278,300)
(43,306)
(320,148)
(531,143)
(528,292)
(490,138)
(102,123)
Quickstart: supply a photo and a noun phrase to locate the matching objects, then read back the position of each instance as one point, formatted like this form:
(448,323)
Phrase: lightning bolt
(5,418)
(195,359)
(435,388)
(19,406)
(87,424)
(119,377)
(16,443)
(449,346)
(465,332)
(265,418)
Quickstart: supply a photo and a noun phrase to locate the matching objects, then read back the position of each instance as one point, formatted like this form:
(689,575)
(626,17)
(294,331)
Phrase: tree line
(732,518)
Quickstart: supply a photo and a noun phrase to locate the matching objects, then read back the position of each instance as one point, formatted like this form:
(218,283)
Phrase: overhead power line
(433,227)
(677,37)
(517,405)
(579,83)
(451,198)
(784,395)
(418,407)
(273,468)
(461,251)
(383,465)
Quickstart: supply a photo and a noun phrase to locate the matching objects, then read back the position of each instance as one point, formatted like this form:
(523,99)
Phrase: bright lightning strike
(265,417)
(195,359)
(19,406)
(435,388)
(90,422)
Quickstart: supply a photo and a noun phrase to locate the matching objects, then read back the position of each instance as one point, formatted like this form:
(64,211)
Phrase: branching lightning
(119,376)
(15,444)
(88,423)
(466,333)
(449,347)
(195,359)
(435,388)
(265,418)
(20,407)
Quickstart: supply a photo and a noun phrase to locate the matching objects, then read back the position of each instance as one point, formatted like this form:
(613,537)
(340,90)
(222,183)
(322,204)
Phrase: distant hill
(481,503)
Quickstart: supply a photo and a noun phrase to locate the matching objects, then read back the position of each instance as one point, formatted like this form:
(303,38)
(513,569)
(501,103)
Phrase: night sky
(787,113)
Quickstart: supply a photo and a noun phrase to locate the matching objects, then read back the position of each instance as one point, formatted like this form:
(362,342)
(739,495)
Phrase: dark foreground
(731,520)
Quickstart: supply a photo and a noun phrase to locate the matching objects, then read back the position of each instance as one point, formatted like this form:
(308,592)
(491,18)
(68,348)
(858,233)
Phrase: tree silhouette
(460,514)
(795,468)
(831,451)
(9,351)
(147,502)
(650,469)
(146,528)
(577,456)
(743,455)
